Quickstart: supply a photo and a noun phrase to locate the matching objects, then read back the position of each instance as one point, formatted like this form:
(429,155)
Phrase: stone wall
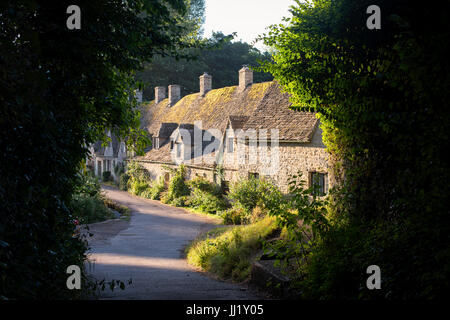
(157,170)
(292,157)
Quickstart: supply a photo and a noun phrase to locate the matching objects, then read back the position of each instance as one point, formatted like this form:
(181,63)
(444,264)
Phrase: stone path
(149,250)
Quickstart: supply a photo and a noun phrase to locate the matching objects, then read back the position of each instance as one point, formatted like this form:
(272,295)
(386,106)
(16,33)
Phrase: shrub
(257,214)
(119,169)
(87,185)
(137,172)
(206,202)
(87,203)
(177,187)
(180,201)
(147,193)
(89,209)
(206,186)
(137,187)
(123,181)
(206,196)
(234,216)
(157,188)
(106,175)
(252,192)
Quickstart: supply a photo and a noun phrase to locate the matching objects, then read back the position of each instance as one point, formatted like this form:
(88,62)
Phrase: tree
(61,89)
(222,59)
(382,96)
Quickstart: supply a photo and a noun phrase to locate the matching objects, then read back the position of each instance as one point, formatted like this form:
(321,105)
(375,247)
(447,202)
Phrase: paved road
(149,250)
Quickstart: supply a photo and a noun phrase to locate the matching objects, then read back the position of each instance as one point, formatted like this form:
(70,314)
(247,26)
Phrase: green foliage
(234,216)
(229,252)
(180,201)
(206,202)
(222,62)
(157,189)
(106,176)
(88,209)
(61,90)
(119,169)
(137,187)
(123,181)
(382,97)
(206,196)
(177,187)
(252,192)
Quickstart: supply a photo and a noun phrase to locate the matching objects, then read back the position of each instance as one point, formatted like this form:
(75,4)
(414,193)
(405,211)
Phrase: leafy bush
(89,209)
(87,185)
(252,192)
(138,187)
(106,176)
(123,181)
(47,124)
(234,216)
(206,196)
(206,202)
(177,187)
(202,184)
(157,188)
(180,201)
(137,172)
(119,169)
(383,103)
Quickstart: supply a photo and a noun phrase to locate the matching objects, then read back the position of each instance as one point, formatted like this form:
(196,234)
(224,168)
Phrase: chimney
(174,94)
(245,78)
(160,94)
(205,83)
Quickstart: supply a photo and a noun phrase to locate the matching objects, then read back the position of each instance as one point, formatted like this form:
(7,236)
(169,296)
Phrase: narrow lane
(149,250)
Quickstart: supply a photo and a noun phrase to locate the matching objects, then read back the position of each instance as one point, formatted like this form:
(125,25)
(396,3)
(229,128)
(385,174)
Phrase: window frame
(323,182)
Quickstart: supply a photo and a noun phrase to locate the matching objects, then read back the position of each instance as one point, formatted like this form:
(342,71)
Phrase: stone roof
(166,129)
(260,106)
(99,149)
(273,113)
(237,122)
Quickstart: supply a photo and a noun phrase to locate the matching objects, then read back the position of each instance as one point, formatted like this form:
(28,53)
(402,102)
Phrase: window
(230,145)
(156,143)
(178,150)
(319,181)
(171,144)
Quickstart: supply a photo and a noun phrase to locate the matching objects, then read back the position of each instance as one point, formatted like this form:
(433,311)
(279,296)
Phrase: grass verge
(229,251)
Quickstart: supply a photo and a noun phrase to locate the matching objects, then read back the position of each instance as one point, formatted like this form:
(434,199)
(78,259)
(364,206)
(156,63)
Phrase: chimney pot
(160,94)
(245,78)
(205,84)
(174,94)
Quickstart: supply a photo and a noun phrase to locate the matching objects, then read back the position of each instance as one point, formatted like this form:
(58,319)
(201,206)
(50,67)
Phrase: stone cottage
(105,158)
(232,132)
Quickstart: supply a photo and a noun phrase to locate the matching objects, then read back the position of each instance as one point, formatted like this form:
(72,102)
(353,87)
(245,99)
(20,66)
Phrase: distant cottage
(245,130)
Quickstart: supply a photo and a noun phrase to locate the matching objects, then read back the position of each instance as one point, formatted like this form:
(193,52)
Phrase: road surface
(149,250)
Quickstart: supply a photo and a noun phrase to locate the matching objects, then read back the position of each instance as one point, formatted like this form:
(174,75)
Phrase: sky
(248,18)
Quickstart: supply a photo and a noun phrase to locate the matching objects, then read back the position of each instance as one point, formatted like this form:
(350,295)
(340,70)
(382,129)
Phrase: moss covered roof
(262,105)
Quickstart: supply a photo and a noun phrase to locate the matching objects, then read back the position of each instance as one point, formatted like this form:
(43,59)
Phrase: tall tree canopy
(60,89)
(383,97)
(221,61)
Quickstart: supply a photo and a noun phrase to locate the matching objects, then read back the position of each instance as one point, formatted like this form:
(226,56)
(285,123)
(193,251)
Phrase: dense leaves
(382,97)
(222,60)
(60,90)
